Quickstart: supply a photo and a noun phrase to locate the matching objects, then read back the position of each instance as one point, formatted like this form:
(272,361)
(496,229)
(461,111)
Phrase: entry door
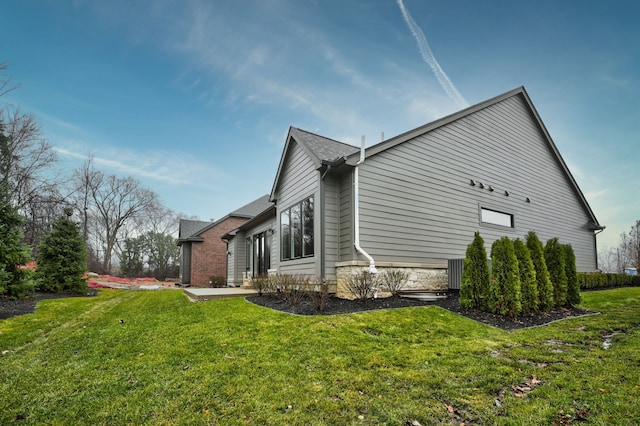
(261,255)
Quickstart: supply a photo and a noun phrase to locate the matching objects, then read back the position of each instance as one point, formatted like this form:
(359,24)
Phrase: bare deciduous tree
(607,260)
(6,83)
(112,204)
(26,168)
(625,255)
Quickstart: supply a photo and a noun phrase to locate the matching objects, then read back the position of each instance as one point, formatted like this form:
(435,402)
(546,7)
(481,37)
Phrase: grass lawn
(144,357)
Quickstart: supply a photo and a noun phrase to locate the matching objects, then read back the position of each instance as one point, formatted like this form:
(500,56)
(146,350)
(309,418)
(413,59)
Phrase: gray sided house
(203,253)
(251,248)
(414,201)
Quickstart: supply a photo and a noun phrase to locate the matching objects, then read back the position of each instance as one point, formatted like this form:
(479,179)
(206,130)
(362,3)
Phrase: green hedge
(596,280)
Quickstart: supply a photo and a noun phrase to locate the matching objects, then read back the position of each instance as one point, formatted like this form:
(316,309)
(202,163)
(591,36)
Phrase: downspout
(356,213)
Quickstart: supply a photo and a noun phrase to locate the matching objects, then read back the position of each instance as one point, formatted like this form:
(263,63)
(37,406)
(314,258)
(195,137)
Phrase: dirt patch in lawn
(452,303)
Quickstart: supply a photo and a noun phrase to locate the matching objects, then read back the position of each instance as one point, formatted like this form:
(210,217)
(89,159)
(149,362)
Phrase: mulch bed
(341,306)
(15,307)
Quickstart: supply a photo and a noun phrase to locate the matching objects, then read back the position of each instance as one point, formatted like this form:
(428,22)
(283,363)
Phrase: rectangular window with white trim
(494,217)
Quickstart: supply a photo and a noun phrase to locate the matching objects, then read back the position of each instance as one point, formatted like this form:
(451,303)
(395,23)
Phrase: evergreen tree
(474,288)
(528,283)
(15,279)
(554,256)
(132,257)
(62,259)
(544,286)
(505,279)
(163,254)
(573,286)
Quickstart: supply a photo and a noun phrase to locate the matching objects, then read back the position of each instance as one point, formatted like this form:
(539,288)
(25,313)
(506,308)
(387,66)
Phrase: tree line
(126,228)
(625,255)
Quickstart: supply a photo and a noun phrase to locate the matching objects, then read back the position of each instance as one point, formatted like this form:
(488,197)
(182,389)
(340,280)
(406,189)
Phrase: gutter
(356,208)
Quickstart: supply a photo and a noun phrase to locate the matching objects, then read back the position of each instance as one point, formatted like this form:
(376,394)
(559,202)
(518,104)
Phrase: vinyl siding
(417,204)
(346,250)
(298,180)
(235,261)
(332,224)
(231,263)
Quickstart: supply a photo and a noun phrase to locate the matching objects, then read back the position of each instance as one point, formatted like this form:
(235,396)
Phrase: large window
(495,217)
(296,230)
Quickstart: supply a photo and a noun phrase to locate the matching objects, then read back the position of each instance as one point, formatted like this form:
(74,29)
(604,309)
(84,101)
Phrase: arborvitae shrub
(505,279)
(528,283)
(554,256)
(573,286)
(474,288)
(600,280)
(544,286)
(62,259)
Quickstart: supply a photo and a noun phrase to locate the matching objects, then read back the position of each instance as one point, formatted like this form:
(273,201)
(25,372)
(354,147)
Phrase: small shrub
(573,286)
(261,284)
(474,287)
(505,279)
(544,286)
(394,280)
(554,256)
(528,284)
(281,286)
(216,281)
(362,284)
(291,288)
(270,285)
(318,292)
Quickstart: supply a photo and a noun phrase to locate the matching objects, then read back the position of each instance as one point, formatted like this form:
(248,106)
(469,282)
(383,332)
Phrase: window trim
(483,222)
(305,205)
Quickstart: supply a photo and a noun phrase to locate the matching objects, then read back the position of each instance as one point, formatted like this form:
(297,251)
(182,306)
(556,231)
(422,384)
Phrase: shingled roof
(324,149)
(319,149)
(253,208)
(191,230)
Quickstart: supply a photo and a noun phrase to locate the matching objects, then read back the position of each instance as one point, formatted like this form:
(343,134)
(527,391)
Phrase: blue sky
(194,98)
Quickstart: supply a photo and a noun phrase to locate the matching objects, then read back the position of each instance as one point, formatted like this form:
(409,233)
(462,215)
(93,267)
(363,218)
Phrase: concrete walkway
(202,294)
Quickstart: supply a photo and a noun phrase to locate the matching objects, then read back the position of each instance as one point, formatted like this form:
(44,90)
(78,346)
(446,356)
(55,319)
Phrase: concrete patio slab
(203,294)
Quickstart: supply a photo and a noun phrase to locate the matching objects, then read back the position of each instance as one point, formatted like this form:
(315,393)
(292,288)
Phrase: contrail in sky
(428,57)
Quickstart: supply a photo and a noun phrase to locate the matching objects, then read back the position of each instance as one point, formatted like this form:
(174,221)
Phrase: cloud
(279,58)
(172,168)
(430,59)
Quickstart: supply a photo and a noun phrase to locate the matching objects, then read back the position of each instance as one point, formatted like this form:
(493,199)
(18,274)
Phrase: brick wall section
(209,258)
